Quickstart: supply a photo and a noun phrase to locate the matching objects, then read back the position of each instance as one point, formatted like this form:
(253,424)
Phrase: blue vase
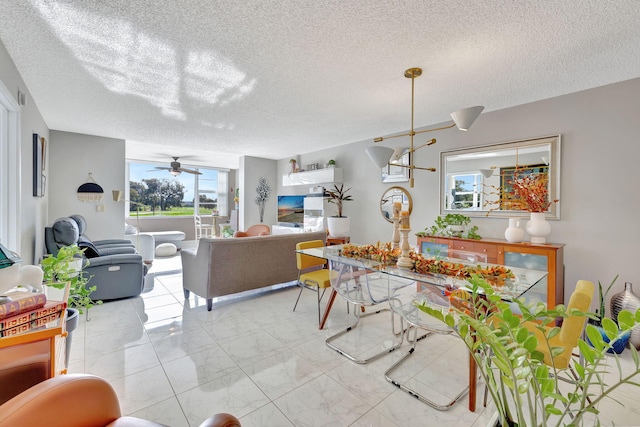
(618,346)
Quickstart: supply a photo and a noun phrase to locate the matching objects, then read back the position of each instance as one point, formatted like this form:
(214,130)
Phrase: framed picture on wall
(39,153)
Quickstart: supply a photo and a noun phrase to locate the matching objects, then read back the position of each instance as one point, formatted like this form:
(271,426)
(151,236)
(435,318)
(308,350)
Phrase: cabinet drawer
(491,251)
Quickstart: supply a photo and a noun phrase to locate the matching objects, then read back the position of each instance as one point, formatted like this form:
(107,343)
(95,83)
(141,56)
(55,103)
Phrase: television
(291,211)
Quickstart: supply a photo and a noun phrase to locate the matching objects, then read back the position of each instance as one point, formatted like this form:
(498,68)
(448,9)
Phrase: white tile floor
(173,362)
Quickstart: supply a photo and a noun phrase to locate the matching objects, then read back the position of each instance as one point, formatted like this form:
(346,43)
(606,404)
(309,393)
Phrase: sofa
(220,267)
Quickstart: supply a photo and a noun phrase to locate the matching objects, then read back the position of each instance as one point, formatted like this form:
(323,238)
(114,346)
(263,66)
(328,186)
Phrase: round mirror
(391,196)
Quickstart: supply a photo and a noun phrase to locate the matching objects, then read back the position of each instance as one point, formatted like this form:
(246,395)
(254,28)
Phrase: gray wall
(31,121)
(599,196)
(73,157)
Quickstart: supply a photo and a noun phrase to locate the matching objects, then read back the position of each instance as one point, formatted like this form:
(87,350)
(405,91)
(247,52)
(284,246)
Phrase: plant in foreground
(525,390)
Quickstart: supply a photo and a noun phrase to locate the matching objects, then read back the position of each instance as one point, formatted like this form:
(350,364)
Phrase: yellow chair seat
(319,278)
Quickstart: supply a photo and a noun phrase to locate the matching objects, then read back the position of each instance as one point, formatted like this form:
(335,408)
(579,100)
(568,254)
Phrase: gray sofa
(220,267)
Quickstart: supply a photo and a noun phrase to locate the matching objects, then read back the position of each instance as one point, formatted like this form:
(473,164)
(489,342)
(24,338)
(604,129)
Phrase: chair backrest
(572,326)
(254,230)
(63,232)
(307,261)
(197,220)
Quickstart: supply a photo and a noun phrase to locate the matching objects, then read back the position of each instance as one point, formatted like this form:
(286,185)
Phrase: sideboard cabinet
(546,257)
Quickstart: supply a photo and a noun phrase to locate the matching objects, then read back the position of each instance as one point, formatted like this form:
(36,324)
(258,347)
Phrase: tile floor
(173,362)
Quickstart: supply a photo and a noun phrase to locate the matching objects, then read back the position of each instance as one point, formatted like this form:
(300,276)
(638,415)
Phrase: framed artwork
(392,173)
(39,162)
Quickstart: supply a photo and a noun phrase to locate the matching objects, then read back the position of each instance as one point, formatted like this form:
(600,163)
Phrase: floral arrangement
(383,253)
(528,192)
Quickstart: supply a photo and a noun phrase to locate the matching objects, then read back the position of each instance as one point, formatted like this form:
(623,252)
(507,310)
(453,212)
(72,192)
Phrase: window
(466,191)
(9,170)
(155,192)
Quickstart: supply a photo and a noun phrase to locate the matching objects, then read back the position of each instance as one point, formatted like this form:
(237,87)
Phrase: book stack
(28,311)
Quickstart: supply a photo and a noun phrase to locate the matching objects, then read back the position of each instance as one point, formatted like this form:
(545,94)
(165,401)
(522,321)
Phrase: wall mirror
(394,173)
(473,180)
(392,195)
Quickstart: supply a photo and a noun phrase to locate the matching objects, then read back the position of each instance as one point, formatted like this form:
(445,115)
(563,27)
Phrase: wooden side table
(337,240)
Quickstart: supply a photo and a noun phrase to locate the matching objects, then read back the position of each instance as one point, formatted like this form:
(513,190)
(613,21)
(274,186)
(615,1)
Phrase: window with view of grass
(155,192)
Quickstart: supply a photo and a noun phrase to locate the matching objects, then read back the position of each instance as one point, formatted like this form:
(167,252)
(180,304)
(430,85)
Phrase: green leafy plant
(443,227)
(338,196)
(331,162)
(525,390)
(602,298)
(66,267)
(227,231)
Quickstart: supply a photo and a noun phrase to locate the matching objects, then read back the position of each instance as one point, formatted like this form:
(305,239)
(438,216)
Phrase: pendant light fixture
(463,119)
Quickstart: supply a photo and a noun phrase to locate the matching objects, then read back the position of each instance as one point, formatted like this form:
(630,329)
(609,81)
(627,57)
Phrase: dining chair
(570,331)
(202,230)
(312,272)
(414,320)
(363,285)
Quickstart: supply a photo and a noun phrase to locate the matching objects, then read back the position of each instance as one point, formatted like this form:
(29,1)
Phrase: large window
(155,192)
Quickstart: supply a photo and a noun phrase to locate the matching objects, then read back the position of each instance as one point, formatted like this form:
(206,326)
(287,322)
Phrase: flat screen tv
(291,210)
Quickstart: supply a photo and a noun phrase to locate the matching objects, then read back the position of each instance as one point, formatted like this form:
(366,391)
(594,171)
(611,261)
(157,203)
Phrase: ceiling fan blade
(166,168)
(195,172)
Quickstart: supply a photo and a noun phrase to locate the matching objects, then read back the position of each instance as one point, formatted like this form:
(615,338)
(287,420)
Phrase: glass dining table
(522,281)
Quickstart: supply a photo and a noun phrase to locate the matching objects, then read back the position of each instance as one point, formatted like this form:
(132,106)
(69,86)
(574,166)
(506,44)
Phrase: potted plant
(331,163)
(601,312)
(338,224)
(294,166)
(526,391)
(451,225)
(67,267)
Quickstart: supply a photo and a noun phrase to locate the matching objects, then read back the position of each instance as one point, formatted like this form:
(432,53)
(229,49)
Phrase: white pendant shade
(464,118)
(486,172)
(380,155)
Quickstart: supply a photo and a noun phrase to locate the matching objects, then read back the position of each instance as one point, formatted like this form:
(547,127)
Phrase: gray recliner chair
(115,276)
(103,247)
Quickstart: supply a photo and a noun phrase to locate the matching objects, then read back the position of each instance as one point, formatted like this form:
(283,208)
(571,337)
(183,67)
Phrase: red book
(32,325)
(21,302)
(49,308)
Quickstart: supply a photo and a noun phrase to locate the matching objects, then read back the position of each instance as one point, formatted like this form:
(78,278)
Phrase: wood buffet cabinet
(546,257)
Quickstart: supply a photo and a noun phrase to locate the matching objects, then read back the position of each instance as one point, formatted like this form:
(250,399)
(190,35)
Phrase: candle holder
(405,260)
(395,240)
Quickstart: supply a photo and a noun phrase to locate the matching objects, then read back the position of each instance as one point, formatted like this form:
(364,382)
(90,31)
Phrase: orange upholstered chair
(254,230)
(79,400)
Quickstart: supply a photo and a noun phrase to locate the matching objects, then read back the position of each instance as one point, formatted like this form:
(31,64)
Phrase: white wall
(251,170)
(599,196)
(33,209)
(73,157)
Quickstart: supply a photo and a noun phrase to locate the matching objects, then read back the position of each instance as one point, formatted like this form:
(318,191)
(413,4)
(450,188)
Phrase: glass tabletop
(524,279)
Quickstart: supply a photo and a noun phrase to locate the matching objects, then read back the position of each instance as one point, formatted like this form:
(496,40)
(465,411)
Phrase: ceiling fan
(175,169)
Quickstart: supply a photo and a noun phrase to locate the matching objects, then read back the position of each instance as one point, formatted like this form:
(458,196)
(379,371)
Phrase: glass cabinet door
(534,262)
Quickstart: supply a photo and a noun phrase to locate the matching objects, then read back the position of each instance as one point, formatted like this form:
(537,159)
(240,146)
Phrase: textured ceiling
(214,80)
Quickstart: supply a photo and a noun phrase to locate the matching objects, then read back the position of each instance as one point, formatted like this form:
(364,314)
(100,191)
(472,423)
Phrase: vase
(626,300)
(538,228)
(513,233)
(338,226)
